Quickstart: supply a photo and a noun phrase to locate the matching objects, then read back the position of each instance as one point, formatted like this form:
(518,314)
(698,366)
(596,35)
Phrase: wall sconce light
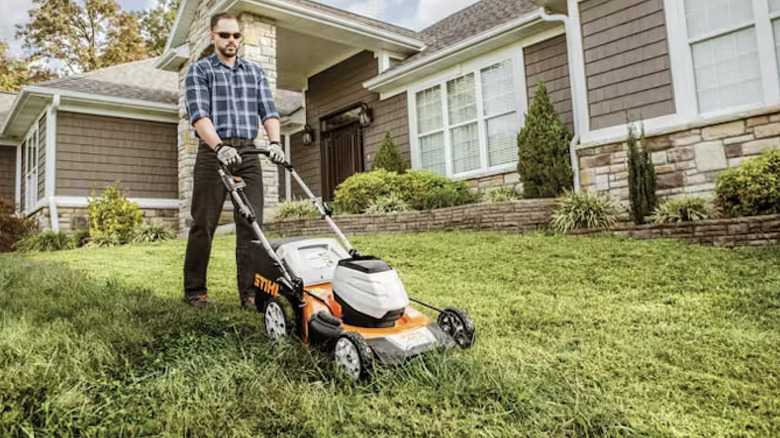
(364,116)
(308,135)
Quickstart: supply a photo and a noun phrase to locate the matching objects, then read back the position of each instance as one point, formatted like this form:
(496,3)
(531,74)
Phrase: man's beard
(224,51)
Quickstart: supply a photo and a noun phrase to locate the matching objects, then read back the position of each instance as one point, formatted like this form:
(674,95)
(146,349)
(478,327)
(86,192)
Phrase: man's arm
(272,129)
(198,102)
(207,132)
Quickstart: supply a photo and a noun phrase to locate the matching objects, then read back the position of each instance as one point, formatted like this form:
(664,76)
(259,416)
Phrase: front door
(342,156)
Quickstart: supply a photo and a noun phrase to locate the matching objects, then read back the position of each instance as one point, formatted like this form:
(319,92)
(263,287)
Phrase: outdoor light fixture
(364,116)
(308,135)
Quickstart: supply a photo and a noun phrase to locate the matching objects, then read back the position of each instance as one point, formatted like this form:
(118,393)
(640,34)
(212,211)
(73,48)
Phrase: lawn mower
(349,306)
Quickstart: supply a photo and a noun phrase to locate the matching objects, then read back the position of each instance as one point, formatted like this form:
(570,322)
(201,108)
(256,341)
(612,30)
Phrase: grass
(576,337)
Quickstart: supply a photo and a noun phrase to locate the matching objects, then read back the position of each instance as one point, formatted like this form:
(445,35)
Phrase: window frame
(31,146)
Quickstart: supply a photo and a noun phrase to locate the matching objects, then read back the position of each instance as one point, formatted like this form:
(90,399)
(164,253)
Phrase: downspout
(51,162)
(575,165)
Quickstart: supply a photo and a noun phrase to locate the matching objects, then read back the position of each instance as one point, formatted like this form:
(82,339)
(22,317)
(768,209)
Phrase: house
(63,138)
(702,78)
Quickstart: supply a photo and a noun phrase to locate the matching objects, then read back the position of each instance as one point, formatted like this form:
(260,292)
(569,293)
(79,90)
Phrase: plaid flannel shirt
(232,97)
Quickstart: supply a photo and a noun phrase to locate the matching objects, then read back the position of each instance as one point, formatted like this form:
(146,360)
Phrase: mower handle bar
(323,212)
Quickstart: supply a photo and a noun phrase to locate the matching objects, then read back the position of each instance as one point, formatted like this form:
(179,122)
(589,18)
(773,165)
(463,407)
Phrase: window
(467,125)
(30,146)
(774,15)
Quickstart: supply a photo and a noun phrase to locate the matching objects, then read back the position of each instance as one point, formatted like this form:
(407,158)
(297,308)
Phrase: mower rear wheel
(278,317)
(354,355)
(457,323)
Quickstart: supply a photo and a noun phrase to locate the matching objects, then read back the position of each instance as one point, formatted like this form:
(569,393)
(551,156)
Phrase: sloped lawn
(575,337)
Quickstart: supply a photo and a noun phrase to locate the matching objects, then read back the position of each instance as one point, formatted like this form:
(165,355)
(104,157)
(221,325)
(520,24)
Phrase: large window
(467,125)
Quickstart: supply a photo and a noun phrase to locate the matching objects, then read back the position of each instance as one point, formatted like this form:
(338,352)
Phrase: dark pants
(208,197)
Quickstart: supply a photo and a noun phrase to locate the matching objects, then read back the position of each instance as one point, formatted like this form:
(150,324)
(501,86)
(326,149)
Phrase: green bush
(388,156)
(100,240)
(152,232)
(46,241)
(502,194)
(641,176)
(584,210)
(81,237)
(113,214)
(752,188)
(387,204)
(686,209)
(355,194)
(543,161)
(12,228)
(424,189)
(294,209)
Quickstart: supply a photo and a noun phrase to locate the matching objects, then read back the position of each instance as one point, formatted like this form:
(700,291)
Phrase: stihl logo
(266,285)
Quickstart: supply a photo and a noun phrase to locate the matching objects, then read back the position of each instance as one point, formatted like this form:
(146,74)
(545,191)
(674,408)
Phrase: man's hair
(220,16)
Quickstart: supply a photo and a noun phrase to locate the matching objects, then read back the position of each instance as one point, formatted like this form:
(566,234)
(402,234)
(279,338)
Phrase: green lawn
(576,336)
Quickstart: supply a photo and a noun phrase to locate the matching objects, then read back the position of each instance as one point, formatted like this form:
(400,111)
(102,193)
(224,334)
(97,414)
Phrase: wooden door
(343,156)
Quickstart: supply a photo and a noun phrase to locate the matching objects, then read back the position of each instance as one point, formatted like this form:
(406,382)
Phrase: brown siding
(389,115)
(332,90)
(297,150)
(548,61)
(626,61)
(97,151)
(8,173)
(42,157)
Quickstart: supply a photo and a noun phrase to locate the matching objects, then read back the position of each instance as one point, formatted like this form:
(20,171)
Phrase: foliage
(81,237)
(388,156)
(294,209)
(16,73)
(450,195)
(96,342)
(752,188)
(12,228)
(151,232)
(112,216)
(424,189)
(46,241)
(543,162)
(641,176)
(685,209)
(387,204)
(584,210)
(156,25)
(501,194)
(104,239)
(355,194)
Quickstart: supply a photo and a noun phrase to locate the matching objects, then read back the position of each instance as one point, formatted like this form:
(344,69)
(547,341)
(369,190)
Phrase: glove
(275,153)
(227,155)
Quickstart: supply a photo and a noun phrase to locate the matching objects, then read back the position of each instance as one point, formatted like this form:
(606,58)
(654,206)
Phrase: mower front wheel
(354,356)
(278,317)
(457,323)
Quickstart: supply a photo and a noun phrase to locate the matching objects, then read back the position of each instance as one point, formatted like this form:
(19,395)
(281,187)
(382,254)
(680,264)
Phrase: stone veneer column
(259,46)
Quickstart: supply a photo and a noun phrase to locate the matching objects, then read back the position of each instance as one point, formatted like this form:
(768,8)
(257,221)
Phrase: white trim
(684,83)
(720,32)
(119,113)
(146,203)
(172,59)
(767,57)
(408,69)
(287,179)
(18,204)
(577,79)
(97,98)
(54,218)
(51,147)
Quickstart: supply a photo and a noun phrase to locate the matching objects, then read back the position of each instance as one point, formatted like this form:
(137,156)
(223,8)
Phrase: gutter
(575,165)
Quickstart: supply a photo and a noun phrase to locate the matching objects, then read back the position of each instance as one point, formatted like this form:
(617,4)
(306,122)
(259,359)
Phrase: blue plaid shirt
(232,97)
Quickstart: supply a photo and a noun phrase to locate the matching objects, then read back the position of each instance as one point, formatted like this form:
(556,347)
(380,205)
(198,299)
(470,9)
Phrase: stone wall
(686,161)
(73,218)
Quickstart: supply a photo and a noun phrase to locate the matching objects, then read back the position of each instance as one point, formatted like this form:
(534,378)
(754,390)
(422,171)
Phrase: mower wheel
(278,317)
(456,323)
(354,355)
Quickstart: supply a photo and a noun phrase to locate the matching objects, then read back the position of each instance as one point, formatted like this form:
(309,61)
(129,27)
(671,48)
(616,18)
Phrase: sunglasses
(226,35)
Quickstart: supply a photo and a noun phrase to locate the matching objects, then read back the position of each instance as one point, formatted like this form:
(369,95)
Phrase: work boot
(248,303)
(197,300)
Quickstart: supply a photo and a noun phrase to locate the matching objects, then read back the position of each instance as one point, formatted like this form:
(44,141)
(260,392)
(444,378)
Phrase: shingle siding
(97,151)
(627,64)
(547,61)
(8,172)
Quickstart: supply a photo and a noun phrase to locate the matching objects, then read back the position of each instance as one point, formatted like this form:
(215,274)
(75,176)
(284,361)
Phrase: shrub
(543,162)
(152,232)
(12,228)
(752,188)
(387,204)
(684,209)
(448,196)
(46,241)
(641,176)
(388,156)
(294,209)
(103,239)
(112,213)
(356,193)
(502,194)
(81,237)
(426,189)
(584,210)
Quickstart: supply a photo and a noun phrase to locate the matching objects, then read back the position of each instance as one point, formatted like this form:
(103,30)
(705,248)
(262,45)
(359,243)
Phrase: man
(225,97)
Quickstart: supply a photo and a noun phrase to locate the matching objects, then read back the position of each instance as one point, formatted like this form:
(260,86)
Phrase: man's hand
(227,155)
(275,153)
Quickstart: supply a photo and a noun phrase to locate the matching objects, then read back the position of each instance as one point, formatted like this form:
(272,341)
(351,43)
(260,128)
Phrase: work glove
(275,153)
(227,155)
